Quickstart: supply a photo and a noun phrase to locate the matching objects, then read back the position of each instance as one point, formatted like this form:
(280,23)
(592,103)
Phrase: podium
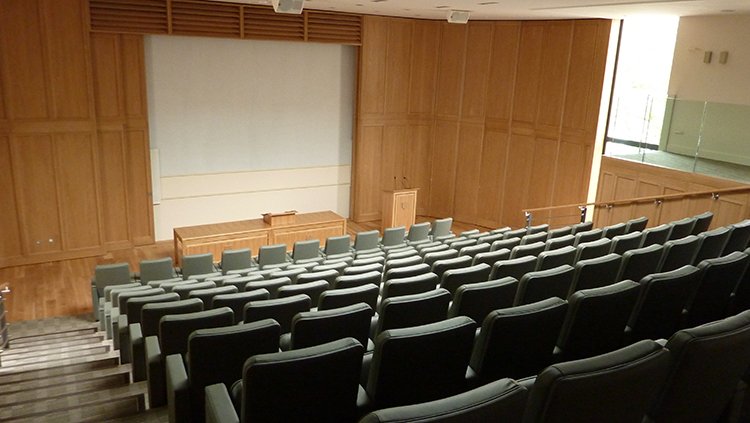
(399,207)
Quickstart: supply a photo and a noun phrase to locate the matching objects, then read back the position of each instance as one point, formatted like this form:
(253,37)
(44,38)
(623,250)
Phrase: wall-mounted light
(707,56)
(723,57)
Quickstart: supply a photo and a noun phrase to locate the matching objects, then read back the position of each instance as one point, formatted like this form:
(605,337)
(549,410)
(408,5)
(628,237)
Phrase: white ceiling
(529,9)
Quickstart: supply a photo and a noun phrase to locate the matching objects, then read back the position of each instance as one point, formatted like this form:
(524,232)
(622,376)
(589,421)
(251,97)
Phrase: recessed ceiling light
(378,1)
(728,11)
(441,7)
(487,3)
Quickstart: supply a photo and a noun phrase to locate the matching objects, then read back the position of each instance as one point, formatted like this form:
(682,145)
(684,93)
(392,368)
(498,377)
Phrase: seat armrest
(219,408)
(119,337)
(364,373)
(178,389)
(137,352)
(527,382)
(110,315)
(94,300)
(157,390)
(662,342)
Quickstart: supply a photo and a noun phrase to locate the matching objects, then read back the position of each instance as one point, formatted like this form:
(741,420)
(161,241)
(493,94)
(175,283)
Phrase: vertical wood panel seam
(562,114)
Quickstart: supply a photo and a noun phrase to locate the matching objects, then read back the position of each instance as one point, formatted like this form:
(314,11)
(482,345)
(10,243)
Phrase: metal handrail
(657,199)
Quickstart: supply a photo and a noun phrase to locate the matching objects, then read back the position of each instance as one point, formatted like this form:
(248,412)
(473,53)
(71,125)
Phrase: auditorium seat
(105,303)
(335,298)
(625,242)
(236,301)
(514,268)
(478,299)
(151,315)
(587,236)
(490,238)
(174,330)
(559,232)
(220,280)
(420,363)
(740,300)
(740,238)
(312,289)
(323,378)
(198,266)
(702,222)
(640,262)
(366,261)
(207,295)
(658,312)
(132,315)
(559,242)
(418,233)
(412,310)
(409,285)
(531,230)
(239,259)
(406,271)
(453,278)
(430,248)
(213,356)
(719,278)
(470,233)
(518,341)
(540,285)
(367,268)
(108,275)
(171,284)
(306,250)
(113,319)
(329,276)
(393,237)
(184,289)
(401,253)
(656,235)
(491,257)
(500,230)
(441,228)
(310,328)
(596,320)
(581,227)
(712,243)
(360,279)
(681,228)
(553,258)
(502,400)
(596,272)
(679,252)
(430,258)
(696,392)
(439,267)
(612,231)
(367,241)
(593,249)
(280,309)
(460,243)
(290,272)
(402,262)
(616,387)
(473,250)
(534,237)
(156,269)
(159,282)
(272,256)
(515,233)
(338,245)
(270,285)
(637,224)
(527,250)
(508,243)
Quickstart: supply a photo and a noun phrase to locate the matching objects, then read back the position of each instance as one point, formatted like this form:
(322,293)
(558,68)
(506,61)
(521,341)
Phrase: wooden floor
(63,288)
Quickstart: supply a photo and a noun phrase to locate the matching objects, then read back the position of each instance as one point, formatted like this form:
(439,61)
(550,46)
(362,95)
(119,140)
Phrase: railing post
(528,217)
(583,213)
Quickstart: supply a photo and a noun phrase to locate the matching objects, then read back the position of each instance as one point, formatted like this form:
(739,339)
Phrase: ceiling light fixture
(293,7)
(458,16)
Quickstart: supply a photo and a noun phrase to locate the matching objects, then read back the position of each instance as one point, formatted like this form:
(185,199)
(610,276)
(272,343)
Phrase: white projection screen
(221,105)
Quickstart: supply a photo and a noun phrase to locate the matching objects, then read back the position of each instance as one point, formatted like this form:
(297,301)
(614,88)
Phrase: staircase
(64,369)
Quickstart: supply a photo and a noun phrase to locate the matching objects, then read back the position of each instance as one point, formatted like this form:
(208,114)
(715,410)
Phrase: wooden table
(217,237)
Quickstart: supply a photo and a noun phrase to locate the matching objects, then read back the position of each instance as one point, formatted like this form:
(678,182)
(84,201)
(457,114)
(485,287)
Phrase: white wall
(244,127)
(692,79)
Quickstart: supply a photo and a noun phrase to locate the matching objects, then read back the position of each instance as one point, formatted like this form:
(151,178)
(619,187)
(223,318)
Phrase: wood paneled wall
(623,179)
(485,118)
(74,164)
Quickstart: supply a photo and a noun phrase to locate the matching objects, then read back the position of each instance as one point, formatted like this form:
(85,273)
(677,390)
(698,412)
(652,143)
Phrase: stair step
(55,356)
(35,384)
(48,352)
(51,337)
(89,406)
(59,368)
(63,390)
(44,345)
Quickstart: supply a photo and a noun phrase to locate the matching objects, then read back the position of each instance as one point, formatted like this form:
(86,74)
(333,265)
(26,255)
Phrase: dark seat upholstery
(527,250)
(681,228)
(290,272)
(477,300)
(543,284)
(679,252)
(587,236)
(214,356)
(133,315)
(323,378)
(410,285)
(553,258)
(184,289)
(741,296)
(712,243)
(559,232)
(431,257)
(515,268)
(596,272)
(740,238)
(421,363)
(559,242)
(174,330)
(501,401)
(366,268)
(637,224)
(614,230)
(280,309)
(350,281)
(454,278)
(515,233)
(581,227)
(517,342)
(270,285)
(406,271)
(491,257)
(311,328)
(625,242)
(596,320)
(720,277)
(656,235)
(508,243)
(335,298)
(439,267)
(236,301)
(663,297)
(412,310)
(197,264)
(707,364)
(239,259)
(593,249)
(312,289)
(329,276)
(616,387)
(473,250)
(532,238)
(640,262)
(702,222)
(241,281)
(207,295)
(156,269)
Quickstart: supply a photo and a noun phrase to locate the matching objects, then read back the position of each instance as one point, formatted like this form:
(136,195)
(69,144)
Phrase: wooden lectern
(399,208)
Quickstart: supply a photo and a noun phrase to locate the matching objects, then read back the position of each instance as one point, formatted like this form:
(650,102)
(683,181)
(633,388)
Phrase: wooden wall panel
(468,172)
(66,41)
(492,177)
(24,72)
(10,241)
(517,177)
(502,73)
(476,70)
(571,176)
(105,61)
(424,56)
(79,210)
(367,160)
(134,78)
(542,174)
(418,152)
(37,196)
(528,74)
(397,64)
(372,66)
(140,210)
(395,138)
(443,174)
(450,70)
(112,173)
(554,60)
